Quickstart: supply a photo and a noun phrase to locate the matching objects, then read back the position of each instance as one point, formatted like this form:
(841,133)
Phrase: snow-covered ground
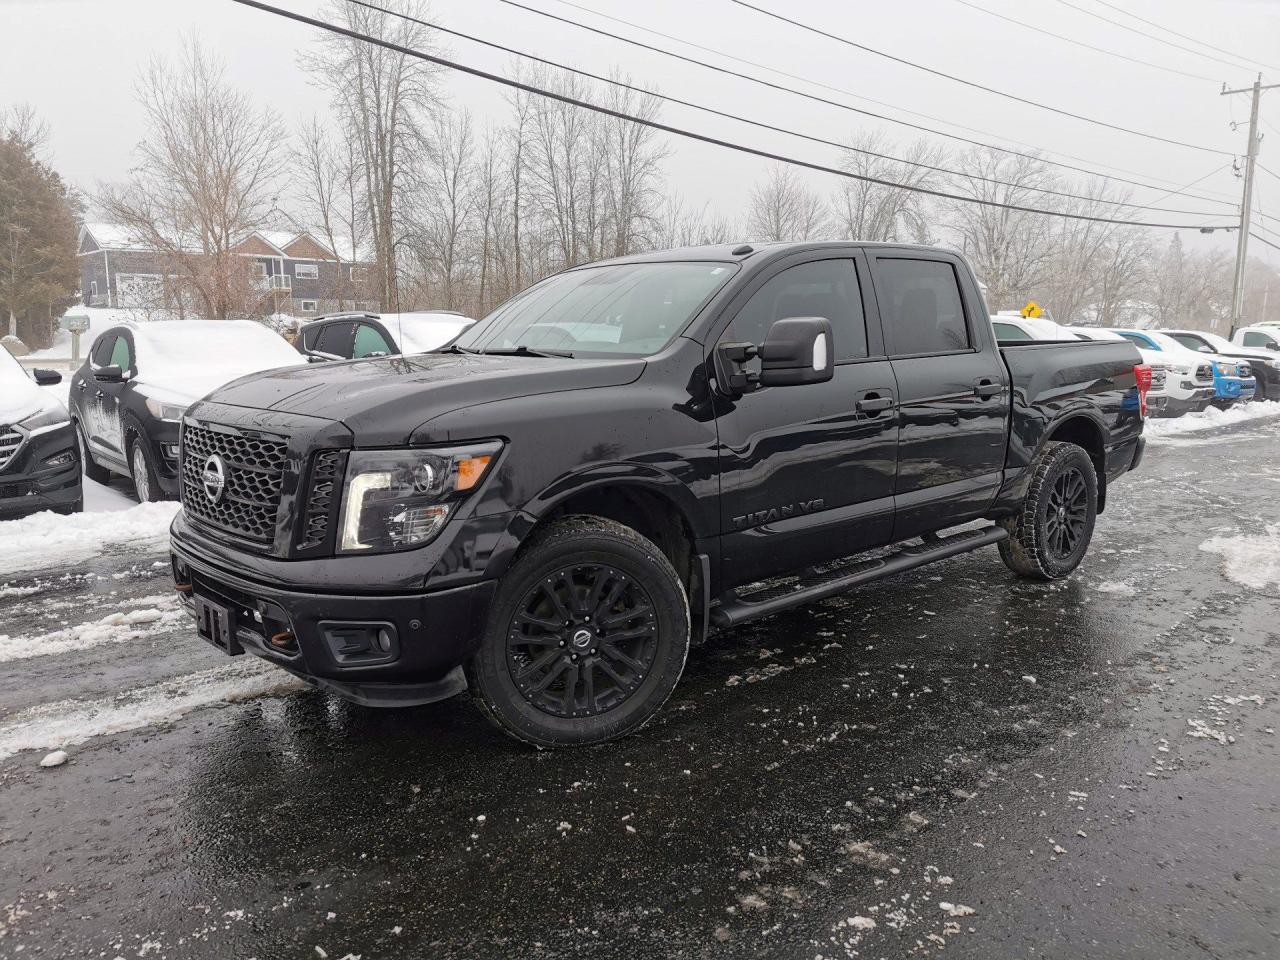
(1211,419)
(1250,560)
(100,318)
(47,540)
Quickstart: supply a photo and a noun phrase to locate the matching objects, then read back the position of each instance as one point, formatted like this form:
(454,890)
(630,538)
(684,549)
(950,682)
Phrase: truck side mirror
(797,350)
(109,374)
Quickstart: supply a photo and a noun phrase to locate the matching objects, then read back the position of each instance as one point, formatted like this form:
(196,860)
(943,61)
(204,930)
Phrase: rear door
(805,475)
(953,390)
(335,338)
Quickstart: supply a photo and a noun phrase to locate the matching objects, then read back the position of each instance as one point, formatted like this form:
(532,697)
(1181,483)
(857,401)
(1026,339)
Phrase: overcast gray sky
(76,62)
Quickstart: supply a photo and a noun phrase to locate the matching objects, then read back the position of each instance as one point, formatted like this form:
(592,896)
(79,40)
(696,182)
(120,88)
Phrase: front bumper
(1194,402)
(377,649)
(30,483)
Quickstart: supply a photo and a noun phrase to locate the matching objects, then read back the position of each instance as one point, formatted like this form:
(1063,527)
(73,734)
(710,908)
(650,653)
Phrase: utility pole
(1246,205)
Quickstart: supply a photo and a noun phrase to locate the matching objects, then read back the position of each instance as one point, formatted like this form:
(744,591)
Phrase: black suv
(626,455)
(128,396)
(39,467)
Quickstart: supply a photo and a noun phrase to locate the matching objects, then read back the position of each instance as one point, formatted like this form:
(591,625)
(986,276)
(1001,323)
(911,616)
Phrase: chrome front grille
(254,467)
(10,441)
(1204,373)
(1244,371)
(1158,375)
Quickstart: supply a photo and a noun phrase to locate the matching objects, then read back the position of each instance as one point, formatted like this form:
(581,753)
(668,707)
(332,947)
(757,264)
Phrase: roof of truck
(736,252)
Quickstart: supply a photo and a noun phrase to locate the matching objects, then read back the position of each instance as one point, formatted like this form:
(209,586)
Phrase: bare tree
(444,215)
(679,226)
(1009,249)
(783,208)
(328,187)
(205,179)
(894,214)
(633,155)
(383,100)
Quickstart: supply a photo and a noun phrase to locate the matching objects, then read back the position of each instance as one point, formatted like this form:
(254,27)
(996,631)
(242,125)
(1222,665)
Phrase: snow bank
(68,722)
(1252,561)
(1211,419)
(116,627)
(46,540)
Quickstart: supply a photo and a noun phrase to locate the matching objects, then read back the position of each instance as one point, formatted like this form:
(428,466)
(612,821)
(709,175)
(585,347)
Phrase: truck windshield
(624,309)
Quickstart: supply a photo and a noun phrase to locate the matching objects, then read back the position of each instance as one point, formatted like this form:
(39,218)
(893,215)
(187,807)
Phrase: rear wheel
(91,470)
(1050,535)
(586,638)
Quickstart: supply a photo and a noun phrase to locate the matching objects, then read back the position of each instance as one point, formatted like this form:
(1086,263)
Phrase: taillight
(1142,374)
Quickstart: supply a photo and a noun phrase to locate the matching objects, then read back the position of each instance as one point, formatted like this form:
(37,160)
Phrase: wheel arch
(1087,432)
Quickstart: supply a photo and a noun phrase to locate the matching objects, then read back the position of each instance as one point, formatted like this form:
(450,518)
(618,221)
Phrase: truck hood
(383,400)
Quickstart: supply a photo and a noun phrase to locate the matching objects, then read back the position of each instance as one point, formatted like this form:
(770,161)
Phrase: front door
(953,389)
(107,395)
(805,474)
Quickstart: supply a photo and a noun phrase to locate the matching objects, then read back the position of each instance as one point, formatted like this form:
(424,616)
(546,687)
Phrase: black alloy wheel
(1068,513)
(582,641)
(586,637)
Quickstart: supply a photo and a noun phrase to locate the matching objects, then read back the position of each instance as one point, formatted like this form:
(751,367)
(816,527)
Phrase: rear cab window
(921,307)
(1007,331)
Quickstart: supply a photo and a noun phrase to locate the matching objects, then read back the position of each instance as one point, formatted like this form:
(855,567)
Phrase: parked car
(1233,380)
(1179,384)
(39,467)
(128,396)
(1015,328)
(1266,337)
(554,529)
(1264,364)
(353,336)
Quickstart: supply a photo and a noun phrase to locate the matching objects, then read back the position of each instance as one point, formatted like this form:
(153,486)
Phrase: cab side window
(824,288)
(1136,340)
(1254,339)
(369,341)
(921,307)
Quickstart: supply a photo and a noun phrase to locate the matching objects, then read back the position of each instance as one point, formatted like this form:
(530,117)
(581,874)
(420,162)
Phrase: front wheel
(1049,535)
(586,638)
(145,483)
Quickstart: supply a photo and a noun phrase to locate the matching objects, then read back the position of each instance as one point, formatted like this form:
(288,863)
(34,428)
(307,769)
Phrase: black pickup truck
(553,507)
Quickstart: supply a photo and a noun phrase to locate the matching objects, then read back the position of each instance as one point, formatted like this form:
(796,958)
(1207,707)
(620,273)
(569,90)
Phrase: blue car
(1233,379)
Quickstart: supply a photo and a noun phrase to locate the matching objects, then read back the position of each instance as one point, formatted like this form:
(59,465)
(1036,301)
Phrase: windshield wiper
(523,351)
(454,348)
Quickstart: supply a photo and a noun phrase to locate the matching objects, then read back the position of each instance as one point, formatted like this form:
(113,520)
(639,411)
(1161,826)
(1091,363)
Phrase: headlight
(45,420)
(165,411)
(399,499)
(1226,369)
(1182,370)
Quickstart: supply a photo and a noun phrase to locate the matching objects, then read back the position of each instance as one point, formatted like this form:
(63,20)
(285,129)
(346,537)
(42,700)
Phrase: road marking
(68,722)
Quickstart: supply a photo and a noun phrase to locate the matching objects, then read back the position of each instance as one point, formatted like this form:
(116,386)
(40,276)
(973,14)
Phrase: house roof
(112,236)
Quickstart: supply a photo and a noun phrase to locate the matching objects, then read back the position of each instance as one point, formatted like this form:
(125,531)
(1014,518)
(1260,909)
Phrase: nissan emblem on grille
(214,478)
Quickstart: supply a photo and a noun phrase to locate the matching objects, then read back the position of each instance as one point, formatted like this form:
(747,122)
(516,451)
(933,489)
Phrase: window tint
(1192,342)
(1259,340)
(1140,341)
(369,340)
(120,354)
(1007,331)
(921,306)
(825,288)
(335,338)
(101,355)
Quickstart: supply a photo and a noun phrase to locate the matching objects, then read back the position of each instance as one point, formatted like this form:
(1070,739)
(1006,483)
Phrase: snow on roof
(112,236)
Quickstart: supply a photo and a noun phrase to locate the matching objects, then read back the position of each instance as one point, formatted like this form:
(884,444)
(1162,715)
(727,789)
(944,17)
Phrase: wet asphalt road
(1077,763)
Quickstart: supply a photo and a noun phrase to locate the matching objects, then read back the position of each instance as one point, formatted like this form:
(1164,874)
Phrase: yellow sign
(1032,309)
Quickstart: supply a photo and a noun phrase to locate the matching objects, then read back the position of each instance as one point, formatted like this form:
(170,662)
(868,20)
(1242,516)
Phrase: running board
(818,583)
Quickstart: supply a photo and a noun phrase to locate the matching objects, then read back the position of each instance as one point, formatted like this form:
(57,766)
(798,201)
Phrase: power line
(1160,26)
(794,133)
(1143,33)
(835,103)
(1081,43)
(680,132)
(979,86)
(1261,239)
(865,99)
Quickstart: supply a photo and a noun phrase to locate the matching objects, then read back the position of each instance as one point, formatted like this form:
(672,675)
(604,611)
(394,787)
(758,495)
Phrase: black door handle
(873,405)
(986,389)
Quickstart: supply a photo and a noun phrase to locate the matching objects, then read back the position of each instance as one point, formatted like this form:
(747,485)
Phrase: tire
(541,623)
(77,507)
(91,470)
(1050,534)
(146,485)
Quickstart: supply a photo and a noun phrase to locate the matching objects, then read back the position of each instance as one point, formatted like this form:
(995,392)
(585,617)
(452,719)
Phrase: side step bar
(818,583)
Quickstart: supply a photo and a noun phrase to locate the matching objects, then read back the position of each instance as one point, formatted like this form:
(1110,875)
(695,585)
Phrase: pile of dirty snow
(1211,419)
(1252,561)
(47,540)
